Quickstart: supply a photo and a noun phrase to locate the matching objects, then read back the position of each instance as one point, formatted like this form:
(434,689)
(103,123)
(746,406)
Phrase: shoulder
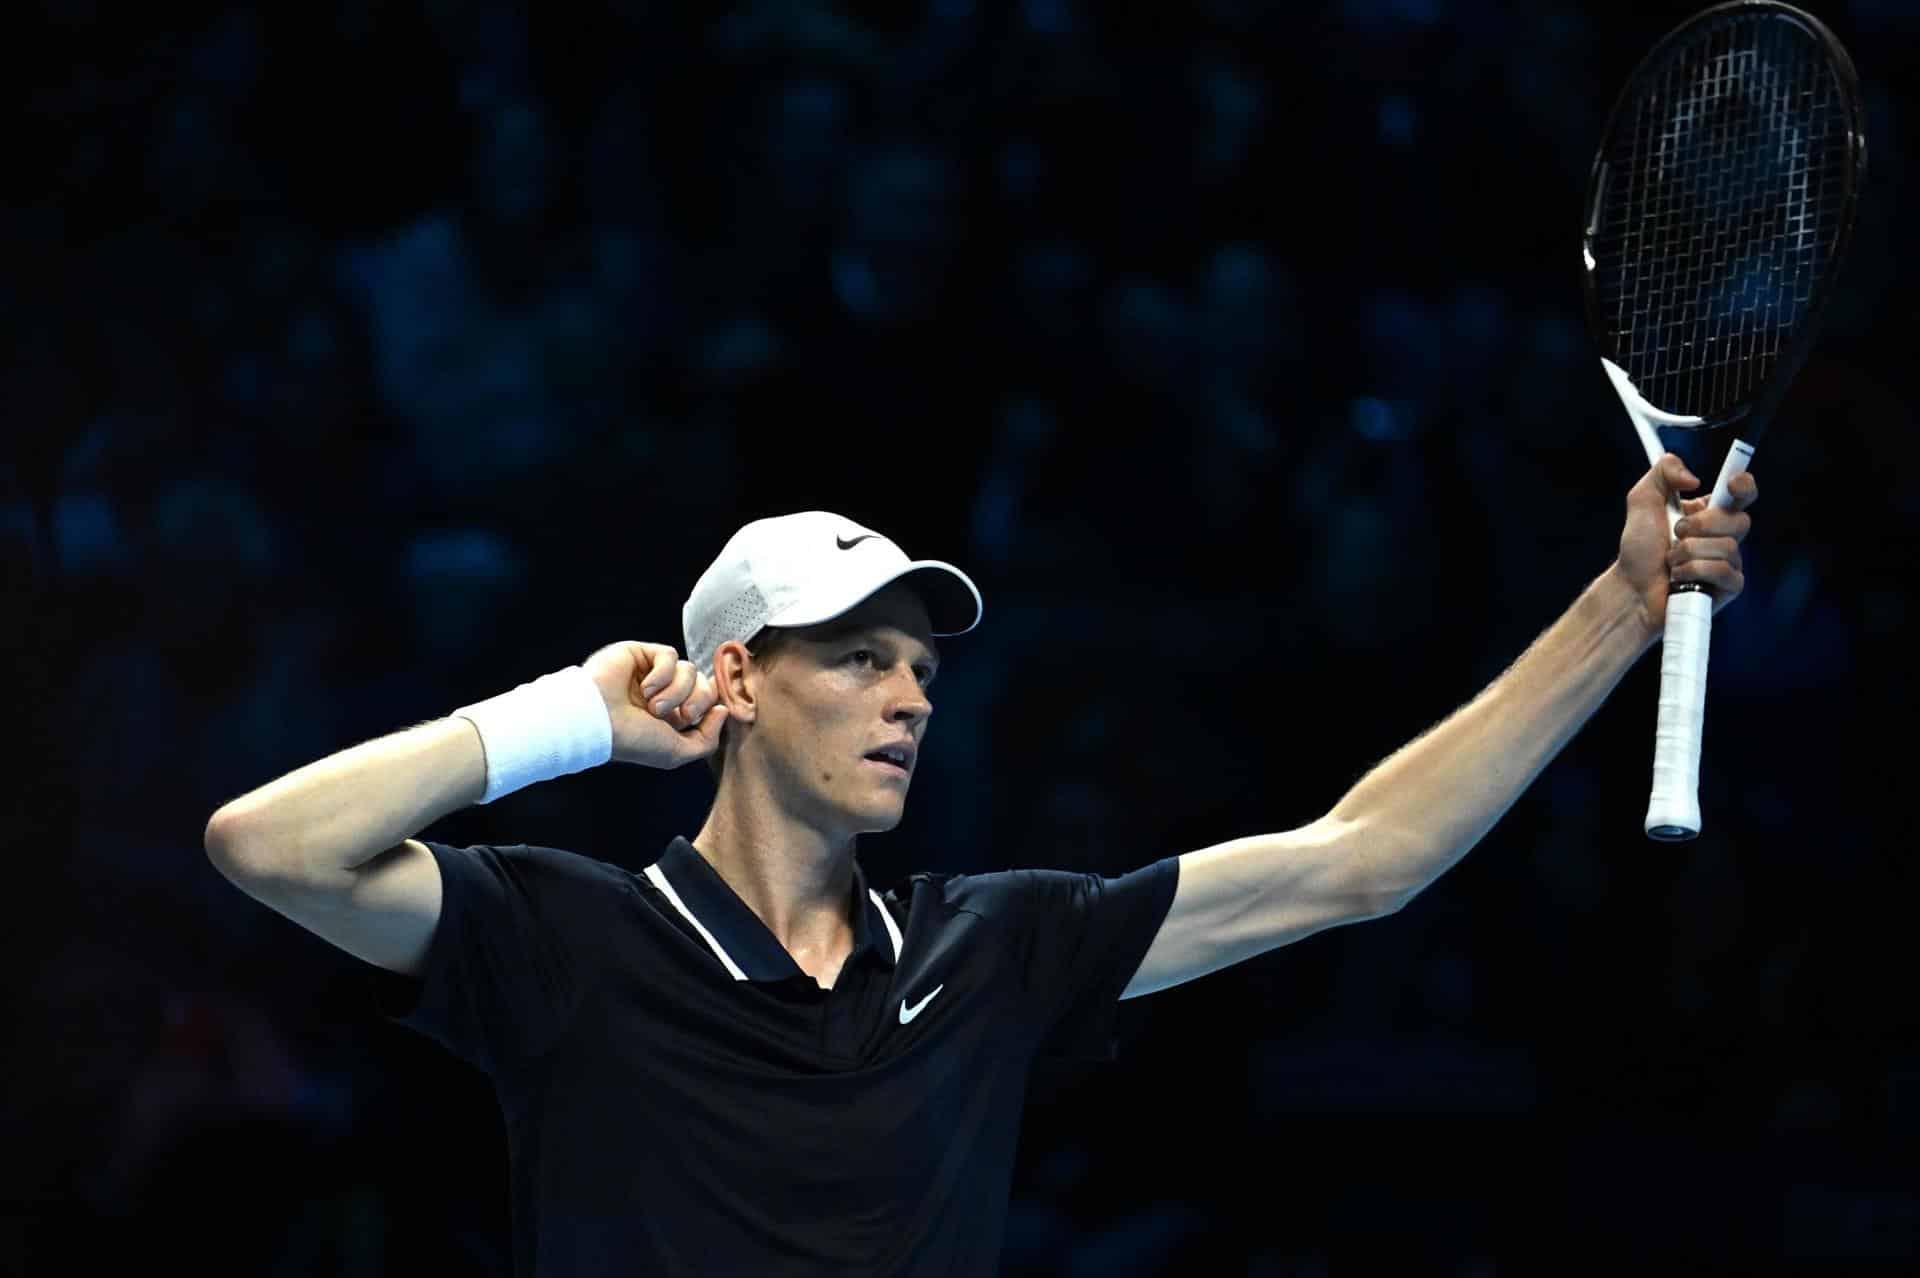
(993,893)
(532,866)
(1018,893)
(948,889)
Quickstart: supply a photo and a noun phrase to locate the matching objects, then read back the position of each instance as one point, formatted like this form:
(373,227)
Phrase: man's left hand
(1705,547)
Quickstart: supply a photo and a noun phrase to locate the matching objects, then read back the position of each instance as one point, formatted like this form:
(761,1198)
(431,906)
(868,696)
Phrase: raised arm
(1421,810)
(328,844)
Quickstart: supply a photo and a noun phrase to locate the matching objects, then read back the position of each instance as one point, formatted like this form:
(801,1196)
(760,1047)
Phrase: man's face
(838,693)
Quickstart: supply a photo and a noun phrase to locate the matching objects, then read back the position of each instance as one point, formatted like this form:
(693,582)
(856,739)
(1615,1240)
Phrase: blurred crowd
(364,360)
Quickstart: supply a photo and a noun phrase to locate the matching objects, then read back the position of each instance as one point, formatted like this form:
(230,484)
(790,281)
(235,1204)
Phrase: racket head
(1719,208)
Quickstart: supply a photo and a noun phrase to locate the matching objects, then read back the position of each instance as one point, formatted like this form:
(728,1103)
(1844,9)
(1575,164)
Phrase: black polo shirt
(680,1098)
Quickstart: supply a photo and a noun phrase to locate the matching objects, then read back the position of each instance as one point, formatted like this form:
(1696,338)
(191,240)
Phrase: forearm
(351,806)
(1423,808)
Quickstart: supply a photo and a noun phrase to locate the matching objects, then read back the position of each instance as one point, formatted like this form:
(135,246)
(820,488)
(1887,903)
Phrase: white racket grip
(1673,813)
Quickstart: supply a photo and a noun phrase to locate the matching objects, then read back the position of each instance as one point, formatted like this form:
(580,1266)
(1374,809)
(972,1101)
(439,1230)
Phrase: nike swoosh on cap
(844,544)
(908,1013)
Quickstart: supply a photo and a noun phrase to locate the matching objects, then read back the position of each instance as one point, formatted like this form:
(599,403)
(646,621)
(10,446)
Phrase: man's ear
(730,663)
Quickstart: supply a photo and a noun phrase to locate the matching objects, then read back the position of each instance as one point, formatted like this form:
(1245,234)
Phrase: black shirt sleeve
(1080,939)
(519,943)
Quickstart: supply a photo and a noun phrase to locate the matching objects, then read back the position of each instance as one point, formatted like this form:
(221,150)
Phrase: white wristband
(554,725)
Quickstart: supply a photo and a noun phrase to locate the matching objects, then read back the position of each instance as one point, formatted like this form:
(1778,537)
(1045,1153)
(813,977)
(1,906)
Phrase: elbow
(240,857)
(1370,890)
(226,846)
(1391,863)
(1383,904)
(1390,896)
(218,838)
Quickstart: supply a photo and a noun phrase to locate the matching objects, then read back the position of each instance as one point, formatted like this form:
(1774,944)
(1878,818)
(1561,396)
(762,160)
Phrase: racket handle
(1673,813)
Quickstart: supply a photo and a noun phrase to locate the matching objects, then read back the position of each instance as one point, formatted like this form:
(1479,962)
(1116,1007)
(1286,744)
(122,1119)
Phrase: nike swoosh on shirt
(908,1013)
(849,545)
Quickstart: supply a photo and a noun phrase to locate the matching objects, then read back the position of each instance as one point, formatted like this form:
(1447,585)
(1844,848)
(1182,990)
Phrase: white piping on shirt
(673,897)
(893,929)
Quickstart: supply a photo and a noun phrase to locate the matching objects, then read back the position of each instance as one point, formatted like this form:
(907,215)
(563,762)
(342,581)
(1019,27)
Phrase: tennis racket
(1718,211)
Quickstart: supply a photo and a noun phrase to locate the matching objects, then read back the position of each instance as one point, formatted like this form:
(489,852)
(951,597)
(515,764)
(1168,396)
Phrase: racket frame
(1673,810)
(1756,412)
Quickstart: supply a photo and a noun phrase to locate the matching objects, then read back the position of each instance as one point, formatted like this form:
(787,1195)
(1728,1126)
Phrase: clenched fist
(665,713)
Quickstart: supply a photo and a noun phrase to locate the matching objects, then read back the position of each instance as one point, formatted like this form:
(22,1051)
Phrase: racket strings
(1722,212)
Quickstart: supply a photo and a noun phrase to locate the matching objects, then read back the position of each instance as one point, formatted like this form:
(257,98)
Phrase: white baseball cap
(806,568)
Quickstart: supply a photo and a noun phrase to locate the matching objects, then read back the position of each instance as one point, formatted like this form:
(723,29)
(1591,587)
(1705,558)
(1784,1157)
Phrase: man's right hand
(665,713)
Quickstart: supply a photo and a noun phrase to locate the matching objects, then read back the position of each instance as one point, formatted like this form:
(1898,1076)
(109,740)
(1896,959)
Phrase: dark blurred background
(363,360)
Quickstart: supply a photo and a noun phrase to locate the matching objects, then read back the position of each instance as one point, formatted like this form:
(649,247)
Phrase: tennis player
(746,1059)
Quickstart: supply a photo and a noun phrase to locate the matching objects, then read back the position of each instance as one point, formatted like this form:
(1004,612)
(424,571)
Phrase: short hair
(765,648)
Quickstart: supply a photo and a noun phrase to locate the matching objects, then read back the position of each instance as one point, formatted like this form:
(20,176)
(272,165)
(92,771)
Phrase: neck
(796,878)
